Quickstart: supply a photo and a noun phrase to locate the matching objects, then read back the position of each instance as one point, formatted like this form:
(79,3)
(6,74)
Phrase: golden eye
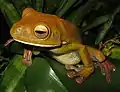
(41,31)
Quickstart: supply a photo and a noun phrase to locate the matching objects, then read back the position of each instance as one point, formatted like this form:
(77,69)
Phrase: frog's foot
(81,75)
(77,68)
(27,58)
(106,67)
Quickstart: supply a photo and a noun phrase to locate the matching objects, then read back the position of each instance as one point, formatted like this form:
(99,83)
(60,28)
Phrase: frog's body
(45,30)
(72,57)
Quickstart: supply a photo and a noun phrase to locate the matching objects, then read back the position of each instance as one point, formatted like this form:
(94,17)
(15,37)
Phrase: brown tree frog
(62,38)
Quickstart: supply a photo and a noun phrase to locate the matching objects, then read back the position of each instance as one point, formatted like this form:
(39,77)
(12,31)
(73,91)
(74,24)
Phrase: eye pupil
(40,32)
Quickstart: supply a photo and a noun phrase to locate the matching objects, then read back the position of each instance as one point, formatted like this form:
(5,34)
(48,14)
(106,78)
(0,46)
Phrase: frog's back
(70,31)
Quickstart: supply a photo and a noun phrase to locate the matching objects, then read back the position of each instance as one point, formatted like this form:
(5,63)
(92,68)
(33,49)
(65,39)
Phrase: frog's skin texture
(61,38)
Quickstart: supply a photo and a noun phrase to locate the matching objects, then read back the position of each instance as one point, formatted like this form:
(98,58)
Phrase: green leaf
(95,23)
(92,82)
(39,74)
(115,53)
(106,26)
(16,48)
(12,74)
(39,5)
(103,30)
(43,77)
(9,11)
(51,7)
(21,4)
(77,15)
(65,6)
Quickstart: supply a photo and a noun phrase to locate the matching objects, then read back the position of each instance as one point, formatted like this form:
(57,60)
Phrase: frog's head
(37,29)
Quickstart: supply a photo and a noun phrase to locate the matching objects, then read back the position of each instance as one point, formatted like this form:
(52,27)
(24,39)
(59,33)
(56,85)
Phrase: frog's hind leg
(88,68)
(105,65)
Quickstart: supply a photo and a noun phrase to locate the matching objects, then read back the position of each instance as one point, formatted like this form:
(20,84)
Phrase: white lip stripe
(40,45)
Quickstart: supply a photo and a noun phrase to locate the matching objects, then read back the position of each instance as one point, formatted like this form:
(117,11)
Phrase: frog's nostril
(18,30)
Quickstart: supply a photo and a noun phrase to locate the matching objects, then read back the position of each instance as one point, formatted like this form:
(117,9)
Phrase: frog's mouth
(28,43)
(33,44)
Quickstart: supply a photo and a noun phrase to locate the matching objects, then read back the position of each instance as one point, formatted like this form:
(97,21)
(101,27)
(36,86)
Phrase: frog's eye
(41,31)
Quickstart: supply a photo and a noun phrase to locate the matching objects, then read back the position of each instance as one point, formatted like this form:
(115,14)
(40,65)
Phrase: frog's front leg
(88,68)
(27,57)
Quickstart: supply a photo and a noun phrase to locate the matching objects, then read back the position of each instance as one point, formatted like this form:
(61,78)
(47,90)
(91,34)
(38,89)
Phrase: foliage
(97,20)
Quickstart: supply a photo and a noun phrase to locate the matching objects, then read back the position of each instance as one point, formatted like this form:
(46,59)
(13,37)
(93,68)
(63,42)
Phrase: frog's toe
(80,80)
(69,67)
(106,68)
(84,74)
(77,67)
(71,74)
(27,58)
(81,75)
(27,62)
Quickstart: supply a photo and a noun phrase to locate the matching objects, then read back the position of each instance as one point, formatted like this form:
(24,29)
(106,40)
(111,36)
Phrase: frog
(61,38)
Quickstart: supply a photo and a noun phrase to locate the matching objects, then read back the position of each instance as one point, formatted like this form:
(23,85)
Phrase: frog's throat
(34,44)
